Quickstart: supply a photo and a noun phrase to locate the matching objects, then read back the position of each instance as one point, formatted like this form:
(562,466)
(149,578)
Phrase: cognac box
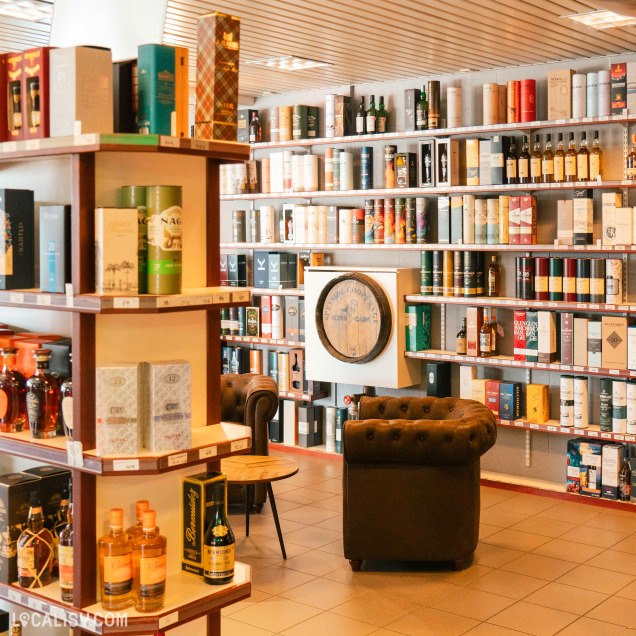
(478,392)
(579,342)
(547,339)
(35,93)
(217,76)
(411,97)
(590,468)
(612,456)
(472,162)
(447,162)
(565,222)
(116,410)
(406,170)
(17,259)
(243,125)
(537,403)
(165,405)
(55,247)
(156,89)
(492,396)
(614,342)
(117,241)
(509,401)
(583,217)
(438,379)
(51,481)
(81,91)
(197,505)
(560,94)
(474,317)
(618,88)
(125,96)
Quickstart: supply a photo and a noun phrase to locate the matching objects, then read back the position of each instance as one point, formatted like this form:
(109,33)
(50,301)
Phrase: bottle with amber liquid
(66,404)
(624,478)
(58,524)
(485,336)
(494,274)
(511,163)
(255,129)
(65,551)
(631,161)
(13,411)
(583,160)
(218,544)
(595,158)
(42,398)
(35,549)
(524,162)
(571,160)
(115,564)
(371,117)
(535,161)
(547,161)
(16,102)
(34,95)
(559,161)
(149,566)
(140,507)
(461,340)
(494,333)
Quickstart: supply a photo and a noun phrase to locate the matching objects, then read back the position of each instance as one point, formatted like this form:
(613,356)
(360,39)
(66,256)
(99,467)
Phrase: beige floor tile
(619,611)
(571,512)
(546,527)
(259,547)
(333,503)
(615,561)
(323,593)
(471,603)
(493,555)
(330,623)
(486,530)
(374,608)
(347,576)
(492,496)
(333,523)
(508,584)
(431,622)
(329,469)
(256,563)
(307,515)
(463,577)
(336,547)
(256,597)
(596,579)
(527,504)
(533,619)
(614,522)
(231,627)
(292,549)
(314,562)
(303,496)
(275,614)
(312,537)
(487,629)
(516,540)
(599,537)
(282,505)
(566,598)
(502,518)
(303,478)
(628,591)
(626,545)
(541,567)
(275,579)
(333,486)
(421,589)
(590,627)
(283,486)
(560,549)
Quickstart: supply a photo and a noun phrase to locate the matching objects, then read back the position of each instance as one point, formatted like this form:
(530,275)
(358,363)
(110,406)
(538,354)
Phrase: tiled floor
(543,566)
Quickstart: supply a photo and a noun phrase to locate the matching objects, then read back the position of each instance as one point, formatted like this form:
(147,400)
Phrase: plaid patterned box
(217,77)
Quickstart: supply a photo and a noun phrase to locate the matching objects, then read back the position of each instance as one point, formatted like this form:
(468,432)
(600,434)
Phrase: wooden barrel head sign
(353,318)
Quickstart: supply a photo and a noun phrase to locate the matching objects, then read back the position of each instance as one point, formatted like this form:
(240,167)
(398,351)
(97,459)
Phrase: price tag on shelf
(33,144)
(77,128)
(593,369)
(606,435)
(177,460)
(619,438)
(68,290)
(542,365)
(538,304)
(579,247)
(623,308)
(238,445)
(126,303)
(205,453)
(70,453)
(553,429)
(576,368)
(592,433)
(565,429)
(630,438)
(44,300)
(78,452)
(536,426)
(199,144)
(581,305)
(614,372)
(169,619)
(125,464)
(91,139)
(14,596)
(518,424)
(594,306)
(578,431)
(169,142)
(9,146)
(35,604)
(17,298)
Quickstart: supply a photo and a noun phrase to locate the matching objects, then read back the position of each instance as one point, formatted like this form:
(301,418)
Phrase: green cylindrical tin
(135,197)
(426,272)
(555,279)
(164,239)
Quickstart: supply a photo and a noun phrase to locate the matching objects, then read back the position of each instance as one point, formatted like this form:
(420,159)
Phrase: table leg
(248,493)
(270,493)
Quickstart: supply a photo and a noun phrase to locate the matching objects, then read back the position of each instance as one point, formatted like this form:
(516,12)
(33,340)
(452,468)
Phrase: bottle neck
(36,518)
(8,362)
(572,145)
(116,531)
(583,143)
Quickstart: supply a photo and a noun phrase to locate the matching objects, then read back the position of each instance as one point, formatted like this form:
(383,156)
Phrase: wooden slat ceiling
(19,35)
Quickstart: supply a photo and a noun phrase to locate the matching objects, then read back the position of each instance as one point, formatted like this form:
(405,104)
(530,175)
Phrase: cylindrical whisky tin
(268,228)
(238,226)
(454,107)
(389,221)
(567,401)
(438,273)
(502,91)
(135,197)
(256,361)
(528,100)
(518,277)
(366,168)
(284,123)
(274,133)
(328,168)
(378,221)
(422,220)
(265,177)
(345,225)
(312,224)
(426,273)
(490,104)
(592,94)
(164,239)
(579,95)
(481,218)
(481,281)
(605,419)
(240,178)
(613,281)
(603,93)
(504,210)
(631,407)
(581,416)
(541,277)
(513,101)
(255,226)
(287,170)
(458,273)
(298,176)
(389,166)
(346,171)
(368,221)
(471,263)
(411,220)
(555,279)
(582,280)
(597,280)
(283,371)
(434,108)
(310,173)
(569,280)
(322,224)
(357,220)
(400,220)
(448,277)
(272,365)
(525,276)
(335,166)
(278,322)
(492,221)
(619,406)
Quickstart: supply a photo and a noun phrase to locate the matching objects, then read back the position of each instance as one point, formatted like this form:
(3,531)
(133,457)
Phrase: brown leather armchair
(411,479)
(252,400)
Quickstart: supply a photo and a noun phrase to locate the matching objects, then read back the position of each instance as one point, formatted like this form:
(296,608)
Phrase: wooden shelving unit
(264,341)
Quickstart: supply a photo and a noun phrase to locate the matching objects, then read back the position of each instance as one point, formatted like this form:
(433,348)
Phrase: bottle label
(631,173)
(460,346)
(26,561)
(558,169)
(117,575)
(523,168)
(33,408)
(547,166)
(570,166)
(360,125)
(4,404)
(381,124)
(555,284)
(484,342)
(582,285)
(370,123)
(67,411)
(252,138)
(511,168)
(492,280)
(569,285)
(612,286)
(218,561)
(535,167)
(595,167)
(65,561)
(597,286)
(541,283)
(420,118)
(164,229)
(582,167)
(152,576)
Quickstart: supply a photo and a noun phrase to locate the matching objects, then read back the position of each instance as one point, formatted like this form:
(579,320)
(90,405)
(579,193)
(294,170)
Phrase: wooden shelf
(304,397)
(264,341)
(209,443)
(508,361)
(187,598)
(257,291)
(554,427)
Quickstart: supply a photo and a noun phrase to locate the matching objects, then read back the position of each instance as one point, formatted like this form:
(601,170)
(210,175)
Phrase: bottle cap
(42,354)
(372,98)
(493,258)
(141,507)
(149,520)
(9,352)
(116,516)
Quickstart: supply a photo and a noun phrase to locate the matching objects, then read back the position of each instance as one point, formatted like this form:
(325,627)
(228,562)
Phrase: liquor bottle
(255,129)
(494,273)
(559,161)
(524,162)
(149,551)
(570,160)
(59,524)
(34,94)
(535,161)
(624,478)
(361,119)
(511,163)
(427,172)
(443,163)
(16,628)
(42,398)
(631,160)
(494,333)
(65,551)
(485,337)
(595,158)
(35,548)
(66,404)
(16,102)
(140,507)
(460,340)
(115,564)
(218,544)
(371,116)
(547,161)
(583,160)
(382,117)
(12,393)
(421,112)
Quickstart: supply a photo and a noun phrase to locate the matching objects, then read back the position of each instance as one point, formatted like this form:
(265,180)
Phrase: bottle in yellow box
(538,403)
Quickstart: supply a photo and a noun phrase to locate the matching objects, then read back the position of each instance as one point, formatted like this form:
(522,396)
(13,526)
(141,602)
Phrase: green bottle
(382,117)
(361,119)
(421,112)
(135,197)
(371,117)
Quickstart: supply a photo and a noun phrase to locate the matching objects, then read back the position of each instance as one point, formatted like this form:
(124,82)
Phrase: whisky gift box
(532,336)
(618,88)
(456,221)
(443,219)
(290,422)
(478,390)
(60,363)
(17,258)
(411,97)
(438,379)
(292,317)
(492,396)
(296,365)
(519,335)
(125,104)
(573,470)
(474,316)
(136,197)
(243,125)
(338,116)
(181,121)
(560,94)
(527,220)
(237,270)
(614,342)
(484,161)
(472,162)
(197,506)
(537,403)
(301,320)
(565,222)
(55,248)
(300,123)
(499,148)
(447,162)
(594,344)
(35,93)
(307,422)
(579,342)
(406,170)
(156,89)
(217,76)
(546,336)
(590,468)
(428,163)
(583,217)
(611,458)
(14,97)
(51,481)
(509,401)
(418,327)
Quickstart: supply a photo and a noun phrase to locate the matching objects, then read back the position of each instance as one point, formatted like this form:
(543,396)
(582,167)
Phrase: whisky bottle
(34,94)
(16,103)
(13,413)
(149,566)
(485,337)
(140,507)
(583,160)
(255,129)
(511,163)
(60,521)
(66,404)
(461,339)
(624,478)
(524,162)
(535,161)
(42,398)
(427,172)
(218,544)
(631,161)
(382,117)
(115,564)
(570,160)
(421,112)
(547,161)
(443,163)
(65,551)
(35,548)
(559,161)
(595,158)
(371,117)
(494,272)
(494,333)
(361,119)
